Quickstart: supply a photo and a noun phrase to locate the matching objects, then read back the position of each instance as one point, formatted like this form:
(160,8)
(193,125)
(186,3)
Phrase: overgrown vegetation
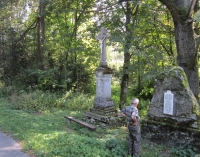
(46,134)
(38,101)
(36,118)
(49,53)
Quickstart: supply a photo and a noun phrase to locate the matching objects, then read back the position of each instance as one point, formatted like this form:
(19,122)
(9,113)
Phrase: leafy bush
(2,89)
(39,79)
(117,146)
(143,107)
(73,77)
(116,93)
(184,152)
(147,92)
(6,90)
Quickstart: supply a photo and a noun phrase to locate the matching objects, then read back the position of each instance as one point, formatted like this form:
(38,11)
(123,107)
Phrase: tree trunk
(181,11)
(41,34)
(39,49)
(187,53)
(127,56)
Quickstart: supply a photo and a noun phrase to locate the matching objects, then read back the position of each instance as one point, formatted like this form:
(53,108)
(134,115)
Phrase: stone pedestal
(103,87)
(103,109)
(101,114)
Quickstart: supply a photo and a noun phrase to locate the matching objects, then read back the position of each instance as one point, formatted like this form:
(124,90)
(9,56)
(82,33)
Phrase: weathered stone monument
(173,116)
(103,104)
(103,75)
(173,101)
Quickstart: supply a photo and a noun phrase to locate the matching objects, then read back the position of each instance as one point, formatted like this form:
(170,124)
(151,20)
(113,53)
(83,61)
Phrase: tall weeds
(38,101)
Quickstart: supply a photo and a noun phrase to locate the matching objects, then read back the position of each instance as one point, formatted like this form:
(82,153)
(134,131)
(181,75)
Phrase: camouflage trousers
(134,140)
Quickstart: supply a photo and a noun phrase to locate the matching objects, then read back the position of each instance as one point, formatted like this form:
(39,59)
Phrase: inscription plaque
(168,103)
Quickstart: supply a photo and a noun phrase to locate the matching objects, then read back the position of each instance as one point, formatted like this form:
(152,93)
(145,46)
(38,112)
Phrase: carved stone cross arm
(102,37)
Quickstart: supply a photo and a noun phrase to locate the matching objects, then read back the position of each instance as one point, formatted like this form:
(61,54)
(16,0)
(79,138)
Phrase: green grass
(36,119)
(46,134)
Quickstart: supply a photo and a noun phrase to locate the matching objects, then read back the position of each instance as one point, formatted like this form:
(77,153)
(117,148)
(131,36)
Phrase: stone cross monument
(102,39)
(103,104)
(103,75)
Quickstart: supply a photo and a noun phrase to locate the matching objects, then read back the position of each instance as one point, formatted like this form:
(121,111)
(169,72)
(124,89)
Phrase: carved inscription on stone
(168,103)
(99,88)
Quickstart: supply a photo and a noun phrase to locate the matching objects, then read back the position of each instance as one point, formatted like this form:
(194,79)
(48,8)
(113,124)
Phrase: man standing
(132,117)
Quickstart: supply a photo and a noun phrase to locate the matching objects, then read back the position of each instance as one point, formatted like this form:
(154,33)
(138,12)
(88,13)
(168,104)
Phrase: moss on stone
(170,125)
(104,69)
(175,79)
(175,71)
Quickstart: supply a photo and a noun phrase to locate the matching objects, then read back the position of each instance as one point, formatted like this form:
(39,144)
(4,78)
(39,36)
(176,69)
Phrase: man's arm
(122,114)
(134,115)
(135,122)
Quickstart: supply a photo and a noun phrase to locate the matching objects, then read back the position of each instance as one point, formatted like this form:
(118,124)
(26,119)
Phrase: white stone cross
(102,37)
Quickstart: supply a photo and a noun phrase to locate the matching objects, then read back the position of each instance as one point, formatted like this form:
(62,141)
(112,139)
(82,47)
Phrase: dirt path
(10,147)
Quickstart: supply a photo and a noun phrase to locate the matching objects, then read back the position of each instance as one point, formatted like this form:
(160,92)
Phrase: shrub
(143,107)
(184,152)
(117,146)
(6,90)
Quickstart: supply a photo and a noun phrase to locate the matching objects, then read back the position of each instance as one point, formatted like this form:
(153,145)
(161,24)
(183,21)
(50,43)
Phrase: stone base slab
(103,102)
(170,135)
(101,113)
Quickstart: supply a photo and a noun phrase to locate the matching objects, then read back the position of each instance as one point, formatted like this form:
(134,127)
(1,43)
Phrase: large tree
(187,47)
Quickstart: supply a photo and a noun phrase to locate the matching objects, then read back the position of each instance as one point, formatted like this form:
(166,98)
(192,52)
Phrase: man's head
(135,101)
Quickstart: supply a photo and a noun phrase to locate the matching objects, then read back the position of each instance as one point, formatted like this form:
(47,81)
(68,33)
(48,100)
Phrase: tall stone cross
(102,39)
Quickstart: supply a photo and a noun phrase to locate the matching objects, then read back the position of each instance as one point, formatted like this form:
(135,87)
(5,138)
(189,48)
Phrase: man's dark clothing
(134,131)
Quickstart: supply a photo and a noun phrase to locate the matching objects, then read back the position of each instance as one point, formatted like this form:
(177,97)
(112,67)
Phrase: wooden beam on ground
(89,126)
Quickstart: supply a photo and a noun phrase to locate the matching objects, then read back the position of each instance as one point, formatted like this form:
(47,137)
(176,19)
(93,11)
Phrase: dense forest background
(52,46)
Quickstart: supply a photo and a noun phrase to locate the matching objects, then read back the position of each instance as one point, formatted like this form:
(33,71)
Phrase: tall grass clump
(6,90)
(75,101)
(38,101)
(35,101)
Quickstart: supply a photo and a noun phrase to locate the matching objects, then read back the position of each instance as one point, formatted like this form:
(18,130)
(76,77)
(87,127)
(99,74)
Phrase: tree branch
(136,10)
(29,28)
(123,8)
(172,8)
(165,48)
(109,6)
(197,41)
(191,8)
(101,8)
